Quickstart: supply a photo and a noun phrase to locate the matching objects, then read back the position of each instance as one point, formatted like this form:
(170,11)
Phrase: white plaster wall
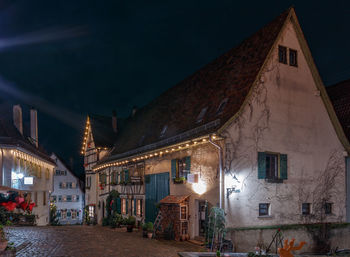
(40,186)
(78,205)
(204,160)
(285,114)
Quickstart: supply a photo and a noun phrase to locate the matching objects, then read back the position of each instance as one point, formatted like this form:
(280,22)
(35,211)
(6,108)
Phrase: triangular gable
(315,74)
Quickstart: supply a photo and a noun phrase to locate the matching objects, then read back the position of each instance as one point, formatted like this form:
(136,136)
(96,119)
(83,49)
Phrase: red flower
(24,206)
(31,206)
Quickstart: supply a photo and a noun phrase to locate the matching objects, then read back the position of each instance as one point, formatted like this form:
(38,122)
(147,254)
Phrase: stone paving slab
(89,241)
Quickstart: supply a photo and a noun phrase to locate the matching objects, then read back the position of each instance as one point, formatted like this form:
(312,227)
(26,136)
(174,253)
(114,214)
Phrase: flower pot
(129,228)
(3,245)
(144,233)
(150,235)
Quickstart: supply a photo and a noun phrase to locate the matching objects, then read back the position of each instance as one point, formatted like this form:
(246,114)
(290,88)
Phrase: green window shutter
(126,206)
(126,175)
(173,168)
(283,166)
(118,205)
(188,163)
(135,207)
(261,165)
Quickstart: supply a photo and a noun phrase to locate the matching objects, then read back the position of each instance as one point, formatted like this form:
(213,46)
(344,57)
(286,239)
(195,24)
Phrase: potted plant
(179,180)
(144,229)
(150,230)
(130,223)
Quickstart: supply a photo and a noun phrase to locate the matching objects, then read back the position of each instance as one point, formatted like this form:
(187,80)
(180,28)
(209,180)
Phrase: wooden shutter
(126,175)
(118,205)
(261,165)
(283,166)
(126,206)
(173,168)
(135,204)
(188,163)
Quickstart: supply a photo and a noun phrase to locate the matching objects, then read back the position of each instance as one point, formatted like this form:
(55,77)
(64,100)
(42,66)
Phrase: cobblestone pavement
(90,241)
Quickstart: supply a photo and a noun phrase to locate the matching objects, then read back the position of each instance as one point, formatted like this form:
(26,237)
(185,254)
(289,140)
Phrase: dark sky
(70,58)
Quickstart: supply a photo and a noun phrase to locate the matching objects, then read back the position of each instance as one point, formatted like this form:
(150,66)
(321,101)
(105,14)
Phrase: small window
(271,166)
(183,212)
(201,114)
(91,211)
(282,54)
(328,208)
(60,198)
(123,206)
(63,214)
(306,208)
(162,133)
(264,209)
(221,106)
(293,58)
(139,208)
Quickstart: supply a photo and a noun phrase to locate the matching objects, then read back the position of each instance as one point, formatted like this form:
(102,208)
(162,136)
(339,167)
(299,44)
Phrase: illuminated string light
(165,151)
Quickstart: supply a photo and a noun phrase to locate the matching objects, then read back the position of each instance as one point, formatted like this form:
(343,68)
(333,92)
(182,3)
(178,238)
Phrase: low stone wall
(245,240)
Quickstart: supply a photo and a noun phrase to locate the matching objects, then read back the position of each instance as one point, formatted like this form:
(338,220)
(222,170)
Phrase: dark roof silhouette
(102,130)
(340,97)
(218,90)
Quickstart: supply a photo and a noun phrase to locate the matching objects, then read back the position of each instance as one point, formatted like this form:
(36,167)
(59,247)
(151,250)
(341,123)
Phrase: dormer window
(222,106)
(201,114)
(162,133)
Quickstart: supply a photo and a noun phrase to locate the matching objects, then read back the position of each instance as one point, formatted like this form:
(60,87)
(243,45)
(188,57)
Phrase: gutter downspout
(221,175)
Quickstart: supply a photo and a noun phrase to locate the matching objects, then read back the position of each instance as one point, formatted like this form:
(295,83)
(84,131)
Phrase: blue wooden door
(157,187)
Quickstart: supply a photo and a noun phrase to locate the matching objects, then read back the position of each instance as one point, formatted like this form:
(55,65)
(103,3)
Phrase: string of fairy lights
(29,158)
(158,153)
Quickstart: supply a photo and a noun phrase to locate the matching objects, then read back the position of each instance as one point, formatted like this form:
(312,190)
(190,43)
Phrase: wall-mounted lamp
(233,189)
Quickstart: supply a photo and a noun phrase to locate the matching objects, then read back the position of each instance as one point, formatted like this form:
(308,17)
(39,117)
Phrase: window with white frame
(91,211)
(63,214)
(183,212)
(74,214)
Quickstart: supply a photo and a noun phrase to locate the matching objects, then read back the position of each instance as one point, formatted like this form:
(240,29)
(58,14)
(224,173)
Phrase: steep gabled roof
(67,166)
(102,130)
(340,97)
(228,78)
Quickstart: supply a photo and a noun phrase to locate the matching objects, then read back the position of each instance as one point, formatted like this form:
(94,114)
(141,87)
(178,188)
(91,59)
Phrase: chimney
(34,126)
(17,118)
(134,110)
(114,121)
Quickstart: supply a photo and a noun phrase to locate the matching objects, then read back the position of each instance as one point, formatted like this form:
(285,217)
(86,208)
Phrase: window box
(181,180)
(274,180)
(136,179)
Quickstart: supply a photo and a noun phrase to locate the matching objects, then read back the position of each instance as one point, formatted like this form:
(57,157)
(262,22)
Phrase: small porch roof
(174,199)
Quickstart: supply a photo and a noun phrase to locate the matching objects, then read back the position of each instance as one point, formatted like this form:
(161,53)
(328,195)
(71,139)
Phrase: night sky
(70,58)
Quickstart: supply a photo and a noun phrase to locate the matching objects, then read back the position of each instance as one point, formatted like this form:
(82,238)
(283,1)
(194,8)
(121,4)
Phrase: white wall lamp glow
(233,189)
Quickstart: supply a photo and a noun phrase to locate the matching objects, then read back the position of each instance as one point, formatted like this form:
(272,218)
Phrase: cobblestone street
(90,241)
